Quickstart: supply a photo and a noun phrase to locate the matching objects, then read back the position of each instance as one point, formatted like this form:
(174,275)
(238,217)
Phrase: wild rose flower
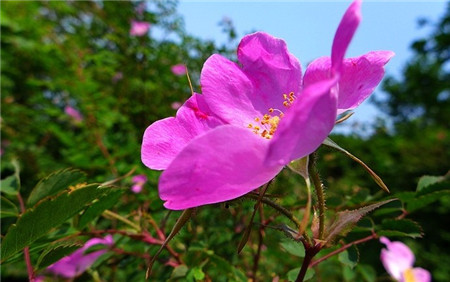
(255,117)
(398,260)
(73,113)
(77,263)
(139,28)
(138,183)
(179,69)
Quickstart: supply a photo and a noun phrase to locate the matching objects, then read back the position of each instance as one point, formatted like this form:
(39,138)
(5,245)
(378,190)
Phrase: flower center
(408,275)
(267,125)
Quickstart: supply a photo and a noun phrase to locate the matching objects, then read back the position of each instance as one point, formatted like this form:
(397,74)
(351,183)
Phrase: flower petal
(421,275)
(306,124)
(165,138)
(344,33)
(239,95)
(271,68)
(358,78)
(228,91)
(397,258)
(215,168)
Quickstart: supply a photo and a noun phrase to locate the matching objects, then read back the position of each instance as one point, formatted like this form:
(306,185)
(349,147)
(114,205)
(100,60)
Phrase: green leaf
(400,227)
(330,143)
(11,184)
(198,273)
(54,183)
(179,271)
(293,247)
(349,257)
(428,195)
(367,272)
(48,214)
(96,209)
(8,208)
(346,219)
(427,180)
(56,251)
(300,166)
(293,273)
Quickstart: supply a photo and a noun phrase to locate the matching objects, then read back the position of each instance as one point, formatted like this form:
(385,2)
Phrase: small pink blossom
(398,260)
(77,263)
(179,69)
(175,105)
(73,113)
(139,28)
(138,183)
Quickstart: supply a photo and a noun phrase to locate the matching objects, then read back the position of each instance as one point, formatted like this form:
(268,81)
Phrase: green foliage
(38,221)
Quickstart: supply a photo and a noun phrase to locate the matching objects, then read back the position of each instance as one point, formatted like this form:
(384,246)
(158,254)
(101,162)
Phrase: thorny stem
(343,248)
(320,195)
(26,250)
(123,219)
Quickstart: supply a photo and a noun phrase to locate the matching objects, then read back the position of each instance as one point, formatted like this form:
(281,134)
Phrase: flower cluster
(255,117)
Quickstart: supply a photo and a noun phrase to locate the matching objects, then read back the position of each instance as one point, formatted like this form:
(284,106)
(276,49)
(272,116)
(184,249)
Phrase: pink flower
(398,260)
(73,113)
(139,181)
(139,28)
(76,263)
(179,69)
(118,76)
(255,117)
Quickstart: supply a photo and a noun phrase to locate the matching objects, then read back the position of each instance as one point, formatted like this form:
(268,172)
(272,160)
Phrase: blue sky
(308,27)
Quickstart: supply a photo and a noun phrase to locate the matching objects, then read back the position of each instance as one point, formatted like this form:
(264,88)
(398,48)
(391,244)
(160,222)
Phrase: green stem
(123,219)
(320,195)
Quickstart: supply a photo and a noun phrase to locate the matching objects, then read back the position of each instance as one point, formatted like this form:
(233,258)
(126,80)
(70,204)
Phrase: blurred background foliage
(80,54)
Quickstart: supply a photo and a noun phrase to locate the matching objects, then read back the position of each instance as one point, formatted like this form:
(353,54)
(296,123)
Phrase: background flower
(139,28)
(138,183)
(179,69)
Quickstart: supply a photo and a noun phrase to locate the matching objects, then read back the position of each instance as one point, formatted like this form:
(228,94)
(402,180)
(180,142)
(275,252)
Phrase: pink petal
(359,76)
(228,91)
(139,28)
(397,258)
(165,138)
(140,178)
(223,164)
(76,263)
(306,124)
(272,70)
(240,94)
(421,275)
(179,69)
(344,33)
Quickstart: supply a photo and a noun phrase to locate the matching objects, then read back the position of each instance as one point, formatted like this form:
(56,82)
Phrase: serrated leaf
(428,195)
(56,251)
(330,143)
(346,219)
(48,214)
(54,183)
(8,208)
(293,247)
(293,273)
(427,180)
(349,257)
(96,209)
(400,227)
